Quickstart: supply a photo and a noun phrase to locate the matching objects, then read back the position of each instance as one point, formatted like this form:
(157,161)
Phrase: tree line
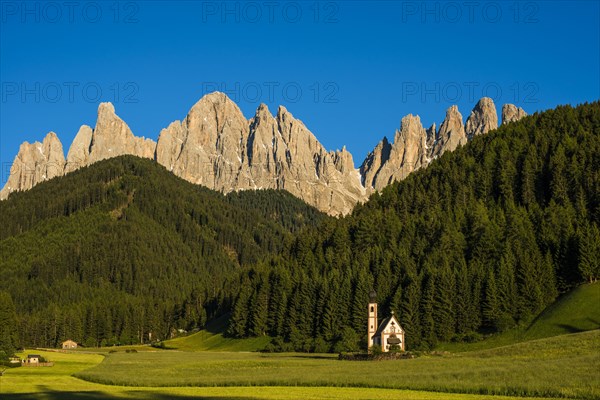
(124,252)
(481,240)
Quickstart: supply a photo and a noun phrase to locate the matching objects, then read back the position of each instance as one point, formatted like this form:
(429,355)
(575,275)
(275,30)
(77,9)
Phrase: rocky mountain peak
(511,113)
(79,152)
(112,137)
(372,164)
(431,135)
(106,109)
(262,113)
(451,134)
(483,118)
(214,145)
(388,163)
(35,162)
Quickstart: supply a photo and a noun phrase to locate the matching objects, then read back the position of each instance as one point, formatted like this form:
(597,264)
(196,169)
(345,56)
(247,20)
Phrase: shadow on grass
(218,325)
(308,355)
(44,394)
(570,328)
(594,322)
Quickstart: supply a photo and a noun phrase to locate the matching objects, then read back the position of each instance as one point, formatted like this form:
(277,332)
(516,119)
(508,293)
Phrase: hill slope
(212,338)
(125,252)
(483,239)
(575,311)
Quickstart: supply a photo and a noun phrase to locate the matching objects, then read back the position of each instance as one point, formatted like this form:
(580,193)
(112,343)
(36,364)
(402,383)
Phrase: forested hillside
(485,237)
(125,252)
(482,239)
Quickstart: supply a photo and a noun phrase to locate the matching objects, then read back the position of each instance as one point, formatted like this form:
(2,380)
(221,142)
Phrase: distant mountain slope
(124,251)
(482,239)
(217,147)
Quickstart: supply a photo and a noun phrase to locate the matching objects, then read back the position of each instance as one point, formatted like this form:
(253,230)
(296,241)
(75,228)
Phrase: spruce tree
(8,326)
(589,252)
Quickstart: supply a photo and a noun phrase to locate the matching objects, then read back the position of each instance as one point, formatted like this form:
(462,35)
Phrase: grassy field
(576,311)
(57,383)
(212,339)
(511,363)
(563,366)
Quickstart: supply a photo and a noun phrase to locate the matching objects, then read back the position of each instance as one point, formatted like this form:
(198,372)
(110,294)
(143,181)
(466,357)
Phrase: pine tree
(238,323)
(8,326)
(559,184)
(259,305)
(506,291)
(409,312)
(443,310)
(463,301)
(360,298)
(426,310)
(491,305)
(589,252)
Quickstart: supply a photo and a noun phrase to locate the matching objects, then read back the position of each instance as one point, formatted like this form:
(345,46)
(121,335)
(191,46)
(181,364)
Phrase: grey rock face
(217,147)
(35,163)
(452,133)
(388,163)
(483,118)
(511,113)
(79,152)
(374,161)
(112,137)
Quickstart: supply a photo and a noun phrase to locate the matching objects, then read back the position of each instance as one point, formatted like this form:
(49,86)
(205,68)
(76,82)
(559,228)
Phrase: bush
(473,337)
(8,364)
(504,322)
(347,341)
(321,346)
(394,348)
(470,337)
(278,345)
(375,350)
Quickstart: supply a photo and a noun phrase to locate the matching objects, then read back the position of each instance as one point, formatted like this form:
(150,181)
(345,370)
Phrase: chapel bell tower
(372,325)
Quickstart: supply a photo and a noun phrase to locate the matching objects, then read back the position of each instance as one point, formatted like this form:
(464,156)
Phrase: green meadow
(565,366)
(58,383)
(562,366)
(557,355)
(212,339)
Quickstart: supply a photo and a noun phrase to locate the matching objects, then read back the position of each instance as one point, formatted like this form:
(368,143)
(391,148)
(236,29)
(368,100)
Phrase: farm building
(32,359)
(69,344)
(389,334)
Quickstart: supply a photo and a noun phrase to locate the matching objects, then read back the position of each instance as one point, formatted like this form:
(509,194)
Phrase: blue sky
(350,69)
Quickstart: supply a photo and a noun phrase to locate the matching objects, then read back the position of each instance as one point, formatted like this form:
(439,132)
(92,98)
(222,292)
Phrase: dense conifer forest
(125,252)
(484,238)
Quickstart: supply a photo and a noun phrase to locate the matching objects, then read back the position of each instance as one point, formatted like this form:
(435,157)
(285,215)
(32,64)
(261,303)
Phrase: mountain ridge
(481,240)
(217,147)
